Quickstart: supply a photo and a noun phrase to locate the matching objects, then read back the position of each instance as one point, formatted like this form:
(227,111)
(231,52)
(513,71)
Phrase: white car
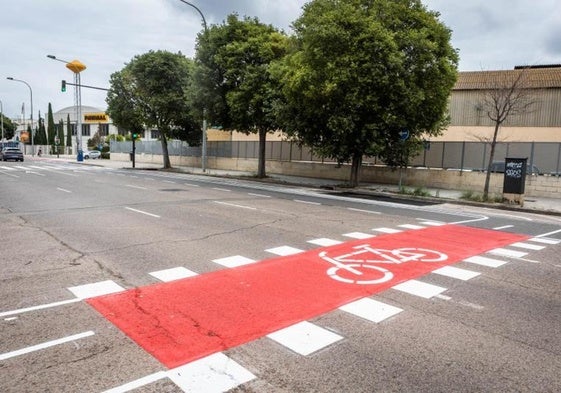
(93,154)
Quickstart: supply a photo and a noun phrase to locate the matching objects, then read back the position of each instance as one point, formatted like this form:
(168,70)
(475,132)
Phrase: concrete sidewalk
(531,204)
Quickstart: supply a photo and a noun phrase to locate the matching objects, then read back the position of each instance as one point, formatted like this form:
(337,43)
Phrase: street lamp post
(76,67)
(31,95)
(203,158)
(2,119)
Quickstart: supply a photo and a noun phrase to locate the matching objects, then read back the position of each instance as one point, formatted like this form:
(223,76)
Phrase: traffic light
(134,135)
(63,86)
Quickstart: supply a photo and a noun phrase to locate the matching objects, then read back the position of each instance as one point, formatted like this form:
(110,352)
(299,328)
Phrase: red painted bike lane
(184,320)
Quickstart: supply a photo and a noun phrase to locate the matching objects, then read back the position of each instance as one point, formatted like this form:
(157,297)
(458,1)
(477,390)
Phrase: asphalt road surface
(148,281)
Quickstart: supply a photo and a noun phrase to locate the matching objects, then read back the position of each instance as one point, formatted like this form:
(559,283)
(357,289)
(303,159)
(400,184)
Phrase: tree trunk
(355,169)
(489,164)
(165,153)
(262,145)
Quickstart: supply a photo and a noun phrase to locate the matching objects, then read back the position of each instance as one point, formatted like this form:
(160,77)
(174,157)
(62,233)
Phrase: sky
(106,34)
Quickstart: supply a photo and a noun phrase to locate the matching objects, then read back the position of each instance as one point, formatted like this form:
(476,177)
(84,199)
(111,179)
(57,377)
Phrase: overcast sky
(106,34)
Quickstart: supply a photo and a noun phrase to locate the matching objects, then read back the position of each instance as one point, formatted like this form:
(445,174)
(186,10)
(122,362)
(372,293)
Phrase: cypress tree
(68,132)
(51,131)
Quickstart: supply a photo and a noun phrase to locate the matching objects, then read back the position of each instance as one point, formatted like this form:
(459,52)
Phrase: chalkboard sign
(515,175)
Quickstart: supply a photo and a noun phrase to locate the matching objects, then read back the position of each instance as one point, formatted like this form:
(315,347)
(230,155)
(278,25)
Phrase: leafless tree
(505,95)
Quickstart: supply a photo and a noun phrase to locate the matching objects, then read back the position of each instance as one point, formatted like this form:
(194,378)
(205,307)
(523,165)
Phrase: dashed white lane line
(432,223)
(387,230)
(503,227)
(324,242)
(136,187)
(545,240)
(259,195)
(419,288)
(235,205)
(528,246)
(359,235)
(173,274)
(411,226)
(39,307)
(304,338)
(457,273)
(363,211)
(484,261)
(64,190)
(371,310)
(138,383)
(190,184)
(307,202)
(96,289)
(221,189)
(284,250)
(234,261)
(45,345)
(142,212)
(505,252)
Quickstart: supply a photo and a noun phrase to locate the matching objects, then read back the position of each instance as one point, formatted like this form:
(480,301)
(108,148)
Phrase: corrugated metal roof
(533,78)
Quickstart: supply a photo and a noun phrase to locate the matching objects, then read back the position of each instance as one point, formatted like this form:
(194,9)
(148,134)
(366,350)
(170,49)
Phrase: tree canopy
(153,91)
(362,71)
(234,83)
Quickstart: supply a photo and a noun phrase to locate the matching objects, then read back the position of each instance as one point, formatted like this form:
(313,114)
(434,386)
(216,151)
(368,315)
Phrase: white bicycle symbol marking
(349,268)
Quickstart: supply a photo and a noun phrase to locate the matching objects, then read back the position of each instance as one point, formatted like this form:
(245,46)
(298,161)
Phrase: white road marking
(484,261)
(363,210)
(137,187)
(234,261)
(9,174)
(259,195)
(411,226)
(142,212)
(45,345)
(419,288)
(10,319)
(371,310)
(175,273)
(95,289)
(454,272)
(505,252)
(359,235)
(8,168)
(432,223)
(503,227)
(168,181)
(306,202)
(235,205)
(305,338)
(64,190)
(138,383)
(386,230)
(284,251)
(221,189)
(40,307)
(188,184)
(324,242)
(527,246)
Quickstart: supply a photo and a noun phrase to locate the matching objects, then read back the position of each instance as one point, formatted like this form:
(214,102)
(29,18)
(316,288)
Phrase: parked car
(93,154)
(11,153)
(499,167)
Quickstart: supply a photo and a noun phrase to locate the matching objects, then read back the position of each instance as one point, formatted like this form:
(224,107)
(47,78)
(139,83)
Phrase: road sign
(404,135)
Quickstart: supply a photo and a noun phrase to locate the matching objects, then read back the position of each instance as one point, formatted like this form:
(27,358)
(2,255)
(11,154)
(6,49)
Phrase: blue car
(11,153)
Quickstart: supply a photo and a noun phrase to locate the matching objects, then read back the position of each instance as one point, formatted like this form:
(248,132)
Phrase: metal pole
(2,119)
(31,96)
(203,158)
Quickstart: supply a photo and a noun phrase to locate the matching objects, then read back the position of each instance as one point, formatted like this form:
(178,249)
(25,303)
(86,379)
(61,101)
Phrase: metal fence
(544,156)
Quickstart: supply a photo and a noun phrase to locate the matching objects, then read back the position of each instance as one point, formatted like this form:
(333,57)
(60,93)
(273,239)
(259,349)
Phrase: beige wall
(219,135)
(544,186)
(506,134)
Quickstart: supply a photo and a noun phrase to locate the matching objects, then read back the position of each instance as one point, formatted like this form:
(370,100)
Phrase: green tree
(152,91)
(51,130)
(40,132)
(361,73)
(233,77)
(61,133)
(9,128)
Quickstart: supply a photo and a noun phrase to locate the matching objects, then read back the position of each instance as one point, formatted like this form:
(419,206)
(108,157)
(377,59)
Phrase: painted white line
(359,235)
(64,190)
(10,319)
(40,307)
(142,212)
(221,189)
(137,187)
(527,246)
(371,310)
(484,261)
(503,227)
(432,223)
(138,383)
(307,202)
(234,261)
(363,211)
(188,184)
(505,252)
(214,373)
(95,289)
(454,272)
(386,230)
(411,226)
(175,273)
(461,302)
(235,205)
(7,168)
(45,345)
(419,288)
(284,251)
(324,242)
(169,181)
(305,338)
(527,260)
(550,233)
(9,174)
(443,297)
(545,240)
(259,195)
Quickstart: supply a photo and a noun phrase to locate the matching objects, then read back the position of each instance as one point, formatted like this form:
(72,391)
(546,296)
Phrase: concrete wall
(543,186)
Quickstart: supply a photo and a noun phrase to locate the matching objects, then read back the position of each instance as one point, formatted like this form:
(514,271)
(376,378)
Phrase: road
(120,280)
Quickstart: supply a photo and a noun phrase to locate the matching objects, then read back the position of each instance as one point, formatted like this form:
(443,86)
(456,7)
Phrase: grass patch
(478,197)
(419,191)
